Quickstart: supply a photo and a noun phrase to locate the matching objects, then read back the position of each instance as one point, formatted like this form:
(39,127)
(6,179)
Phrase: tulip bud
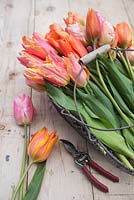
(93,26)
(41,145)
(107,33)
(124,35)
(23,110)
(73,68)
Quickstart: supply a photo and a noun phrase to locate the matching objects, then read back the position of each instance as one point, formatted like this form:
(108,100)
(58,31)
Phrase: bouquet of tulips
(105,86)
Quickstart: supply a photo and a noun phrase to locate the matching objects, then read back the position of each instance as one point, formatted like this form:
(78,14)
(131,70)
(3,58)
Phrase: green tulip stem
(23,162)
(129,65)
(126,64)
(111,97)
(21,181)
(95,80)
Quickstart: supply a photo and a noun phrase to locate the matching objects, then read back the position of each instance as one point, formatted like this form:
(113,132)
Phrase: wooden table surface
(63,180)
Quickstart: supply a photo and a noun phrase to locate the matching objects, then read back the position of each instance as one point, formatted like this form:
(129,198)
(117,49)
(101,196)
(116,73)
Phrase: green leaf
(111,139)
(35,184)
(64,100)
(120,81)
(101,96)
(98,109)
(119,100)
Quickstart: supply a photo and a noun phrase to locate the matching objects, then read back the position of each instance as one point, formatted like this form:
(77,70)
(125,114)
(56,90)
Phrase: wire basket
(96,143)
(78,123)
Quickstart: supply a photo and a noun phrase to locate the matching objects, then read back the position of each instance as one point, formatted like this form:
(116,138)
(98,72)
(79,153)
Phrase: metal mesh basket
(97,144)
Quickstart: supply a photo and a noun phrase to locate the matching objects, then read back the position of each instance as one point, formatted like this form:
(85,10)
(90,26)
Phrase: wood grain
(63,180)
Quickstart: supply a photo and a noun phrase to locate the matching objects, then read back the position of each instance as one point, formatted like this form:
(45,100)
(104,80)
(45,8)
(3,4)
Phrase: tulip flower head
(41,145)
(24,110)
(37,45)
(107,33)
(64,42)
(124,35)
(75,26)
(93,26)
(34,80)
(29,60)
(54,70)
(73,68)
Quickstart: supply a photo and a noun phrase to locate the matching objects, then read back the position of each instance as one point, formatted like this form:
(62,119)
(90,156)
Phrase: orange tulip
(41,145)
(34,79)
(73,68)
(93,26)
(64,42)
(124,35)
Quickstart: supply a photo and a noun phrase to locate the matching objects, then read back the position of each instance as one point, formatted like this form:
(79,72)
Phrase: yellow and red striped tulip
(41,145)
(73,68)
(34,80)
(124,35)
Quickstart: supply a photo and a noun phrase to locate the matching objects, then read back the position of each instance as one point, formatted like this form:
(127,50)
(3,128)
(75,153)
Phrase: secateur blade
(70,148)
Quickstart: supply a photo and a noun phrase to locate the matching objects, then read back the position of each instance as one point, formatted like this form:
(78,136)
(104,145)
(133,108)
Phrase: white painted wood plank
(15,20)
(62,180)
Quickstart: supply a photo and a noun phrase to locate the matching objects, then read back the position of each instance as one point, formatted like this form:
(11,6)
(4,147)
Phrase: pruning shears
(84,161)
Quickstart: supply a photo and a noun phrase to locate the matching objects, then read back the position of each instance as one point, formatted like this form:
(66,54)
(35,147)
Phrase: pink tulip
(23,110)
(30,60)
(54,70)
(75,26)
(37,45)
(73,68)
(98,29)
(107,33)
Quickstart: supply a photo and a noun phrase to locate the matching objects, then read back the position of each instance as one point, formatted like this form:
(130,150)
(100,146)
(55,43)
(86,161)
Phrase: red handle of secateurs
(102,171)
(93,180)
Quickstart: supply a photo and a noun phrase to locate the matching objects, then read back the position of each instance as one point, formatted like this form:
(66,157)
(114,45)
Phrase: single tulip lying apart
(23,110)
(41,145)
(39,149)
